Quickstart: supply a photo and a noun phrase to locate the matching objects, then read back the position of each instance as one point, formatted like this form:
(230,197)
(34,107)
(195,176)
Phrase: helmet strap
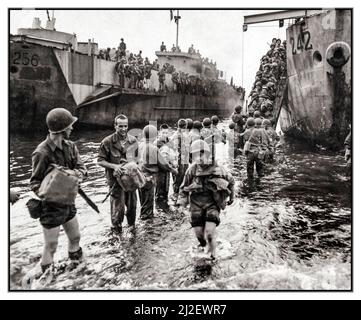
(57,139)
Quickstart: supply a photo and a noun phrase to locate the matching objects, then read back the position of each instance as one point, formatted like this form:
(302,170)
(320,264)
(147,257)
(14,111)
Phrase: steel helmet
(258,83)
(189,123)
(258,121)
(257,114)
(238,108)
(197,125)
(232,125)
(266,122)
(215,119)
(250,122)
(207,122)
(59,119)
(182,123)
(199,146)
(150,132)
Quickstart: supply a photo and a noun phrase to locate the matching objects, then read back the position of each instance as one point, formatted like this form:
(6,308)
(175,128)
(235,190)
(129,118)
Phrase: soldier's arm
(39,167)
(183,194)
(163,164)
(80,169)
(231,182)
(103,158)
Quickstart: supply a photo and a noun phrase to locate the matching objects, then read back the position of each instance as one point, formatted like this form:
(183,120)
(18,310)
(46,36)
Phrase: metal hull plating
(144,107)
(319,79)
(36,86)
(42,78)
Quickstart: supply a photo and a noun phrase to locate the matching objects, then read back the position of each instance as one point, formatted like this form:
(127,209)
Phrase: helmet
(266,122)
(197,125)
(257,114)
(189,123)
(198,146)
(238,108)
(250,122)
(59,119)
(182,123)
(207,122)
(150,132)
(258,73)
(232,125)
(258,83)
(215,119)
(258,121)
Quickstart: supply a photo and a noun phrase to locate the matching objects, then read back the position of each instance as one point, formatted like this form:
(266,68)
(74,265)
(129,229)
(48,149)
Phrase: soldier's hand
(78,174)
(118,171)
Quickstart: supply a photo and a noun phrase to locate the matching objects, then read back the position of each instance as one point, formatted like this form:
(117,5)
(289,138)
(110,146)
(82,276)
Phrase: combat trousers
(178,178)
(120,199)
(121,80)
(162,187)
(252,158)
(146,197)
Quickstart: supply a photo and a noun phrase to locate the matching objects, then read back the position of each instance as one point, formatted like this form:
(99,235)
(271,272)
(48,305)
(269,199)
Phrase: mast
(176,19)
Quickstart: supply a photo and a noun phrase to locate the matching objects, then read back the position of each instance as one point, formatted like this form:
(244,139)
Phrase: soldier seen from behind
(163,176)
(151,162)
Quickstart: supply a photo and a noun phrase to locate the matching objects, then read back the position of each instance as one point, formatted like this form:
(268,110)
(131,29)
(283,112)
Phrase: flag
(171,15)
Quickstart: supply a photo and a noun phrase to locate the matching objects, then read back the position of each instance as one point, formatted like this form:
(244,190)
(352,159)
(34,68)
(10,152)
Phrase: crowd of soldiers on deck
(272,70)
(137,71)
(195,84)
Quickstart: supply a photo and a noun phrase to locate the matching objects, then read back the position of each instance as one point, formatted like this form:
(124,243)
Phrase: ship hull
(43,78)
(319,94)
(36,85)
(142,107)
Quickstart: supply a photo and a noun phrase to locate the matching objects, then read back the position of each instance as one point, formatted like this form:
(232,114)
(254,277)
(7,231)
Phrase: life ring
(338,53)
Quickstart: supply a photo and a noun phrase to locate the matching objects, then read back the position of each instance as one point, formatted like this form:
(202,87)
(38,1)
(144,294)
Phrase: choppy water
(291,230)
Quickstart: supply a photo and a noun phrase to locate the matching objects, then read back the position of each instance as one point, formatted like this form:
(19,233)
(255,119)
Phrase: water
(291,230)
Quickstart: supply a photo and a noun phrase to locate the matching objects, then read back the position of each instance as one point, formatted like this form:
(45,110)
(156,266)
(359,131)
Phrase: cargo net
(270,81)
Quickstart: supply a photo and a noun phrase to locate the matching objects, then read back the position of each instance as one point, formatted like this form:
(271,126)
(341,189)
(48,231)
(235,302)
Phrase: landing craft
(50,69)
(315,104)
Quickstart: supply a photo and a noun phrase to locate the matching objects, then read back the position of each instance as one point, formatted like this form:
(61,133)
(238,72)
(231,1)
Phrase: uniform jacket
(47,154)
(115,150)
(151,160)
(214,179)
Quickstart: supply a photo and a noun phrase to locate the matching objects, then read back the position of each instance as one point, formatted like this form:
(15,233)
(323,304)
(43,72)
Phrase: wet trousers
(146,196)
(252,158)
(120,199)
(178,178)
(162,186)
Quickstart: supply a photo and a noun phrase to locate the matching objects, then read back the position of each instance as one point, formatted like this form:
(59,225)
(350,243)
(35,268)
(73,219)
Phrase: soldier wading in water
(116,150)
(206,185)
(56,151)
